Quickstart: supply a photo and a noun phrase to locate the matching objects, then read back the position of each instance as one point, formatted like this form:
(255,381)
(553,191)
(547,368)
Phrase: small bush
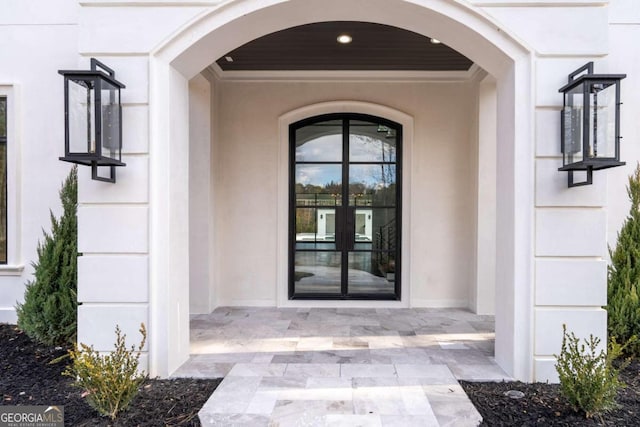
(110,381)
(623,284)
(48,313)
(588,379)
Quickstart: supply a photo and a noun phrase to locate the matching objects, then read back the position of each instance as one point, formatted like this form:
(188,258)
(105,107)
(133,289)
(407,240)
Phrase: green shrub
(588,379)
(48,313)
(623,304)
(112,380)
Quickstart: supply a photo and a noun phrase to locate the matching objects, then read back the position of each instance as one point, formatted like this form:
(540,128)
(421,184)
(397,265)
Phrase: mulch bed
(27,378)
(543,405)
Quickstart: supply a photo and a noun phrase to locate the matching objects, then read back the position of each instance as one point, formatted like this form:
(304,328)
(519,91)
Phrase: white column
(113,225)
(201,295)
(570,238)
(484,286)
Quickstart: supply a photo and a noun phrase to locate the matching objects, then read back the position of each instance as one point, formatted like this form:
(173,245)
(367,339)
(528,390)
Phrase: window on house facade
(3,180)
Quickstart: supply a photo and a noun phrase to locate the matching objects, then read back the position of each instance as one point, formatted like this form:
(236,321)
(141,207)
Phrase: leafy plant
(112,380)
(623,302)
(588,379)
(48,313)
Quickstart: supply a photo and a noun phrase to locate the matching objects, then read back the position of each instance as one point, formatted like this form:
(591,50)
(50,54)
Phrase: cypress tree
(624,274)
(49,311)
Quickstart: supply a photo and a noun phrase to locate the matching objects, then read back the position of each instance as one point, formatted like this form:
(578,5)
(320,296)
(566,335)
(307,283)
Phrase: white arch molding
(461,26)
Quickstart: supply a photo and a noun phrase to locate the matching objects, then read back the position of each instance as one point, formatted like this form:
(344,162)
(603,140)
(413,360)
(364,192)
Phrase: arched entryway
(462,27)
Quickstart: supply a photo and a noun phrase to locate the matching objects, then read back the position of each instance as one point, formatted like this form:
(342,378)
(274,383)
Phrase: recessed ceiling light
(228,58)
(435,41)
(344,38)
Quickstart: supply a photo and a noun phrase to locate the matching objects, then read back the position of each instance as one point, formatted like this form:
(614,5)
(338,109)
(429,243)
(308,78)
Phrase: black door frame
(344,295)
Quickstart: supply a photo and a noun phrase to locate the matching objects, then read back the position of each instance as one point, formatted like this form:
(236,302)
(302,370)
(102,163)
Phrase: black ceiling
(374,47)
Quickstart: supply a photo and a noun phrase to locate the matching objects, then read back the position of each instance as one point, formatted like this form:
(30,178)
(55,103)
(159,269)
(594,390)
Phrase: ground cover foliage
(110,381)
(27,378)
(623,302)
(589,379)
(543,404)
(49,311)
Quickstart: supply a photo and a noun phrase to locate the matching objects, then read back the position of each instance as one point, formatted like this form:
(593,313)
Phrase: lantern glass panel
(110,99)
(573,113)
(81,120)
(602,105)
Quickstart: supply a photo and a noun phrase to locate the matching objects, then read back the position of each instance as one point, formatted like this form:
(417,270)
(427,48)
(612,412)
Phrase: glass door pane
(372,185)
(318,184)
(367,274)
(373,194)
(371,142)
(319,142)
(344,207)
(315,229)
(318,272)
(318,194)
(372,263)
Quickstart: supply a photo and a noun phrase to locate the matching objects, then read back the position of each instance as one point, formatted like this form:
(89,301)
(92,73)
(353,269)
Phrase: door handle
(339,218)
(345,228)
(351,228)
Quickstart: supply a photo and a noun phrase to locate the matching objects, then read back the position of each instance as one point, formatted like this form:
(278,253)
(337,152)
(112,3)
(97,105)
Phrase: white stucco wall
(36,40)
(442,181)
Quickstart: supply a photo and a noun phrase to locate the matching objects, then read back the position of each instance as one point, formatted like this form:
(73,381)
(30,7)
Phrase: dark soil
(27,378)
(544,406)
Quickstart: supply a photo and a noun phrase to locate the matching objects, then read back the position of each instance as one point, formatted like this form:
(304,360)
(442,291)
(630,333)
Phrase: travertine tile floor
(341,367)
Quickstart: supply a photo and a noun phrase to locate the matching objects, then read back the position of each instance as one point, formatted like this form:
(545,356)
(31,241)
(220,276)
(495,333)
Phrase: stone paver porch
(341,366)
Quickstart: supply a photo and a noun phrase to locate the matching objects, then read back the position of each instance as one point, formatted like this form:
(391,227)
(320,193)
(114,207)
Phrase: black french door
(345,208)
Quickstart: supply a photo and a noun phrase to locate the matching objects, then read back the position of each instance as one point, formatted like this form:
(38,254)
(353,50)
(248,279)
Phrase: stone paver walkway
(341,367)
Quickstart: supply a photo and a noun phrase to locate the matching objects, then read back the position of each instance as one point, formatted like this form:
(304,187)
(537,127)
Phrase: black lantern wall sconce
(93,119)
(590,123)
